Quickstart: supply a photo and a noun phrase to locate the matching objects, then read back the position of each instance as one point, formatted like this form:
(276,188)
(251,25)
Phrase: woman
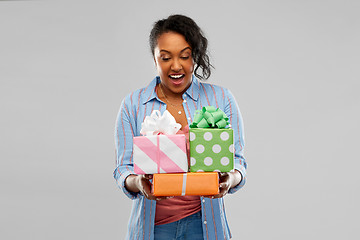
(180,51)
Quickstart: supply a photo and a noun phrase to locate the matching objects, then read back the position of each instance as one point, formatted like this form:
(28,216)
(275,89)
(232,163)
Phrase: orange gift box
(181,184)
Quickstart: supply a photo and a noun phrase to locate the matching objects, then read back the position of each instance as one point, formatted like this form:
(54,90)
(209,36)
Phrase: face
(174,62)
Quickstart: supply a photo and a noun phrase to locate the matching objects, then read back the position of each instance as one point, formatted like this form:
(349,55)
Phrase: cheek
(190,67)
(162,68)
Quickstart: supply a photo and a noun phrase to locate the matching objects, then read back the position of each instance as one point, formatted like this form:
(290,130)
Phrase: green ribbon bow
(209,117)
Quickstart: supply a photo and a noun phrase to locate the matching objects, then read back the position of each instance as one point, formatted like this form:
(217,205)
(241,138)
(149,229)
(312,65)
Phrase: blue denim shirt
(133,110)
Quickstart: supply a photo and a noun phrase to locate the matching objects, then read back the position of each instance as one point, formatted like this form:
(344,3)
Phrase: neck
(170,95)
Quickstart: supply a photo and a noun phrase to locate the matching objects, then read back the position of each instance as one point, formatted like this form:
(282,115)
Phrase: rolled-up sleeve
(233,112)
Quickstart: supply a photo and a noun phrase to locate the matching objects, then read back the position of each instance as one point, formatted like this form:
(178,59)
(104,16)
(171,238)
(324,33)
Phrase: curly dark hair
(193,35)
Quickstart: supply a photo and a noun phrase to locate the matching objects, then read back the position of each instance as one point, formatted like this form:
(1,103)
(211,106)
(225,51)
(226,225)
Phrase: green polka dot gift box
(211,144)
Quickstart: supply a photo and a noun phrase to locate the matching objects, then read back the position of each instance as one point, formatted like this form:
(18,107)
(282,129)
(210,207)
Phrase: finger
(224,185)
(146,192)
(209,196)
(146,189)
(163,198)
(221,194)
(149,195)
(148,176)
(214,196)
(223,189)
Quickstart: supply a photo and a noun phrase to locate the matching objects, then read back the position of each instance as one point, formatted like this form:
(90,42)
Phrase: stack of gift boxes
(162,152)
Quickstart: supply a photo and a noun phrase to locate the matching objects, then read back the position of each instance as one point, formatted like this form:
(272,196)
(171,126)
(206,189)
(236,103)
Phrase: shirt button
(203,200)
(184,101)
(189,118)
(205,222)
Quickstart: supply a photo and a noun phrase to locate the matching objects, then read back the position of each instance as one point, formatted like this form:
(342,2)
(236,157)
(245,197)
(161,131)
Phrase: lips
(177,79)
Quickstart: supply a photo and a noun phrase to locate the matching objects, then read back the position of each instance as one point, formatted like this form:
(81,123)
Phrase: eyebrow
(163,50)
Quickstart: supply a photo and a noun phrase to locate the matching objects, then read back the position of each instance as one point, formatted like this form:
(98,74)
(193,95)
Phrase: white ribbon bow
(155,124)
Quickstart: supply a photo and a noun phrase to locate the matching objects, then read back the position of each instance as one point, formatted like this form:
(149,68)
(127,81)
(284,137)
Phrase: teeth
(176,76)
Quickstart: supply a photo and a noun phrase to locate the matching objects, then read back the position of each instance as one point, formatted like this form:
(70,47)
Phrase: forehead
(172,42)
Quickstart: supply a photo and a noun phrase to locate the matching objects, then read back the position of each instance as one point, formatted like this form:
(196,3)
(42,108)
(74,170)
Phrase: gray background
(293,67)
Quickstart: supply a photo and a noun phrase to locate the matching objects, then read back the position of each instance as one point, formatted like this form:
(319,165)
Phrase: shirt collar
(193,90)
(150,94)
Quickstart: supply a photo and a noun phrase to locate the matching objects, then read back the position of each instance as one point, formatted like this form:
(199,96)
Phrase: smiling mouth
(176,76)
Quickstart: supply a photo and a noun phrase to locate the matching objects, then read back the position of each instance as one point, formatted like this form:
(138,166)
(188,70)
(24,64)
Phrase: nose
(176,65)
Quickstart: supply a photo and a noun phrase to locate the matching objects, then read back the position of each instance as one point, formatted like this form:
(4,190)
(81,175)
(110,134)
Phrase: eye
(185,57)
(165,59)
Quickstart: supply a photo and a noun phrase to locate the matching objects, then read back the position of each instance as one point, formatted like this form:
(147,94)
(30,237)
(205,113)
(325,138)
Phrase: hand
(141,183)
(144,185)
(227,180)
